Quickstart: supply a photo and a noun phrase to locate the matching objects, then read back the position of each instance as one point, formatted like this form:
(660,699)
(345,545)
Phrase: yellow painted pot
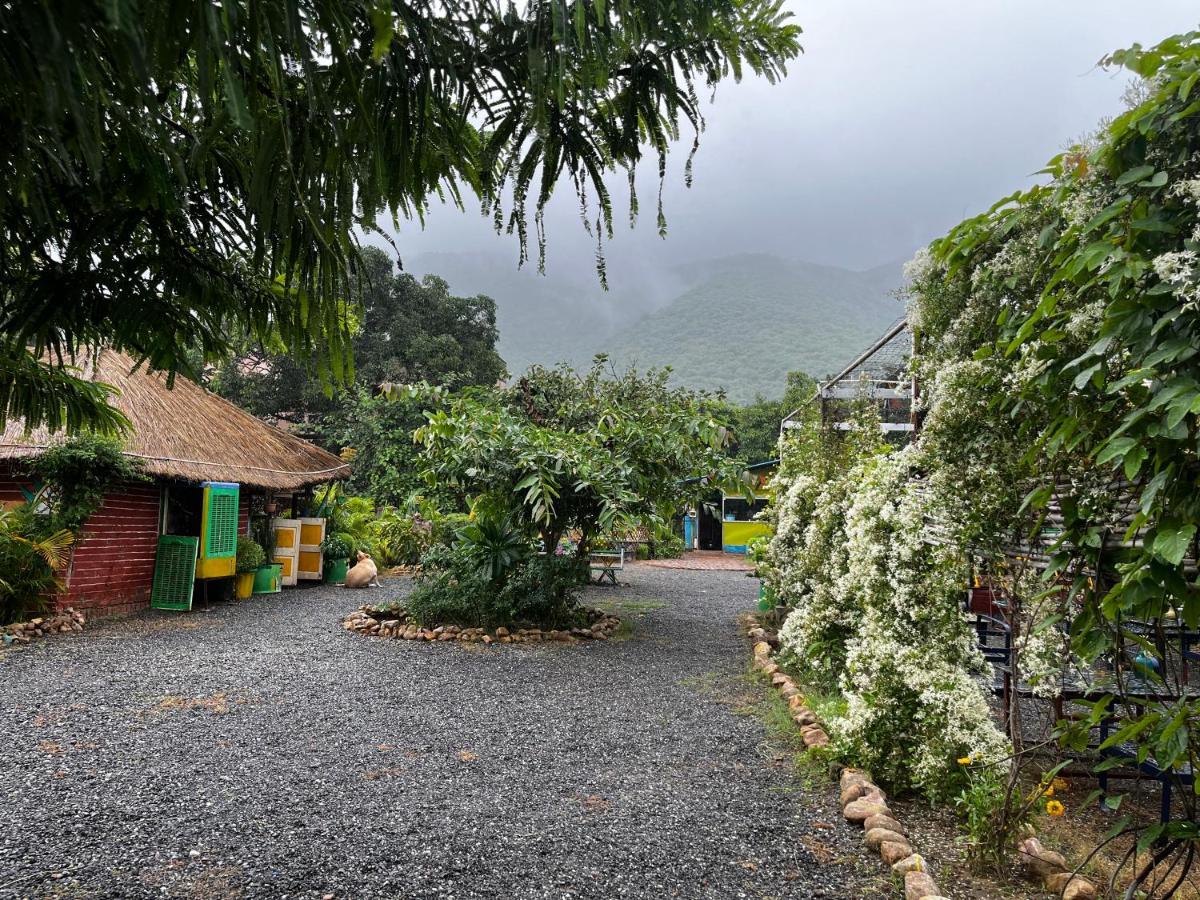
(245,585)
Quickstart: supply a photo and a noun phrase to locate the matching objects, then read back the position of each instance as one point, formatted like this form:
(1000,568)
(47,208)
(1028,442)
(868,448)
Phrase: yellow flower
(1060,784)
(1054,808)
(1048,792)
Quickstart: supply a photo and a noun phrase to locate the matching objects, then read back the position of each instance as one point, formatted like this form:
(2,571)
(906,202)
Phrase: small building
(207,461)
(728,521)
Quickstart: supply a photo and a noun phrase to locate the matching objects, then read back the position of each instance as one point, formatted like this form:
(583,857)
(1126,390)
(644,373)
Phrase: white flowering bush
(916,699)
(1058,340)
(876,609)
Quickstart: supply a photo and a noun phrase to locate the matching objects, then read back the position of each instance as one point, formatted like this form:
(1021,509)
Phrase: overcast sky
(900,119)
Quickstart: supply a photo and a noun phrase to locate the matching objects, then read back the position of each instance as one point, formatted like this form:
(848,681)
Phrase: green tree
(560,451)
(378,431)
(180,173)
(756,425)
(414,330)
(407,332)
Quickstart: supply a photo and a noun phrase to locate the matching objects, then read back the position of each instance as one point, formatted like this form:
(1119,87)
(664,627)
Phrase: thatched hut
(185,437)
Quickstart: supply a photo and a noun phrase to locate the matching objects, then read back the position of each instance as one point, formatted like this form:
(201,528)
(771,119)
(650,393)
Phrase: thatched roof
(191,434)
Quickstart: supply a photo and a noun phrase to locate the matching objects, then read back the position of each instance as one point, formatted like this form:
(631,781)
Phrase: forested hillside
(738,322)
(750,320)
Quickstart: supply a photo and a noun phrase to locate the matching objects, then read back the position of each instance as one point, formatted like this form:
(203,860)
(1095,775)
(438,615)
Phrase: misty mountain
(738,323)
(746,321)
(551,318)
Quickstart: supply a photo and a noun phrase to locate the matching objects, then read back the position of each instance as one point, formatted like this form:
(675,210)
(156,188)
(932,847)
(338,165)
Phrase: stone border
(66,622)
(376,622)
(863,802)
(1052,870)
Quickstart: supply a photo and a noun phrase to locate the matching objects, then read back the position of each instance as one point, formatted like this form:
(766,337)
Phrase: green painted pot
(268,579)
(335,570)
(766,598)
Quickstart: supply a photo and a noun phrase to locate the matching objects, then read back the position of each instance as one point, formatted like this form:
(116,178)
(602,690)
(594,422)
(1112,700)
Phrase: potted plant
(337,548)
(250,556)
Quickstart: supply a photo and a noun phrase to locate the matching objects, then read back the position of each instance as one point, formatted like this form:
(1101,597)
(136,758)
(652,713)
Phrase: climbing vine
(78,473)
(1059,338)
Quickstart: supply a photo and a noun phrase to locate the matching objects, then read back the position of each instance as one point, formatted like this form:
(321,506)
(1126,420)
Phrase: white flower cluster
(875,613)
(1181,272)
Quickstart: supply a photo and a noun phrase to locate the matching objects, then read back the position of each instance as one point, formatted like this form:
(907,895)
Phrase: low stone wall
(863,802)
(66,622)
(1052,870)
(395,623)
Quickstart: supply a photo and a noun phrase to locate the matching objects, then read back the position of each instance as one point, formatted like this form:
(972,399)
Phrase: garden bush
(338,545)
(250,555)
(400,539)
(1060,399)
(32,551)
(465,584)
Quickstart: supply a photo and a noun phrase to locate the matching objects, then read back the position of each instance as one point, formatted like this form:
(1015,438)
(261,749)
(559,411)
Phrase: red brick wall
(112,564)
(11,482)
(243,511)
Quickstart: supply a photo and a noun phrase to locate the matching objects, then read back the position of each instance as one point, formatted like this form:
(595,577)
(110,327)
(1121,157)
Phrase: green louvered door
(218,533)
(221,507)
(174,572)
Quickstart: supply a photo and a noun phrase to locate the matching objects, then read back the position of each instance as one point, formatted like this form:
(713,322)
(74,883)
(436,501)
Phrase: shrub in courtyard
(560,452)
(1060,392)
(32,551)
(250,555)
(491,576)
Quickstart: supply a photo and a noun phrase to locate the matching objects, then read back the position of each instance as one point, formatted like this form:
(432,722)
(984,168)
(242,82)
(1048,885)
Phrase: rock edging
(69,621)
(863,802)
(395,623)
(1052,870)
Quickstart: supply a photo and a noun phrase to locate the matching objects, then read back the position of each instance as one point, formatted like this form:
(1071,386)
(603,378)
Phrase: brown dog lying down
(364,573)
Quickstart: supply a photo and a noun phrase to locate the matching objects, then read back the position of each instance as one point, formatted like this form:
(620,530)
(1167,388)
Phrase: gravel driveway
(259,750)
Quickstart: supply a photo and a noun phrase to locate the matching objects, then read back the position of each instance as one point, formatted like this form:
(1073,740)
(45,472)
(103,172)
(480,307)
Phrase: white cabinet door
(287,548)
(310,564)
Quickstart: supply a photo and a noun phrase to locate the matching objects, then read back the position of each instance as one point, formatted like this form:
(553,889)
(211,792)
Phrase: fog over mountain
(897,122)
(737,323)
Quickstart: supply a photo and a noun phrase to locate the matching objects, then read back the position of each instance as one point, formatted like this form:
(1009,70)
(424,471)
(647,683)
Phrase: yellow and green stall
(729,522)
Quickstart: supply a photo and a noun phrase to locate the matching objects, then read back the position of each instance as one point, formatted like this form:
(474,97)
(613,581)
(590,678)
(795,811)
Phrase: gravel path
(259,750)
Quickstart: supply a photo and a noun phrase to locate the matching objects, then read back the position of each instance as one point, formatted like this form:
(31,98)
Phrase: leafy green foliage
(338,545)
(180,175)
(1060,329)
(354,518)
(78,473)
(401,539)
(32,551)
(454,589)
(564,451)
(250,555)
(57,396)
(756,424)
(406,332)
(493,546)
(414,331)
(378,432)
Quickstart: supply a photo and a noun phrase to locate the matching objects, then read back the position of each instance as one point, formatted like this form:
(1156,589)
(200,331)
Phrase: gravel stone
(258,749)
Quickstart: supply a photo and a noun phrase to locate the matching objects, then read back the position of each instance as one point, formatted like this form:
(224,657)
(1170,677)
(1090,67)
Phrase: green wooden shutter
(174,572)
(221,509)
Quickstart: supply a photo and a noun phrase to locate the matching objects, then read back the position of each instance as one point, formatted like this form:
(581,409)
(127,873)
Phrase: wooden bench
(606,564)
